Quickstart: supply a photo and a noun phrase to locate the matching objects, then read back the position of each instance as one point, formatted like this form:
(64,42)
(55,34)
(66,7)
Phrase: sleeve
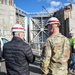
(73,45)
(45,58)
(74,42)
(66,52)
(29,55)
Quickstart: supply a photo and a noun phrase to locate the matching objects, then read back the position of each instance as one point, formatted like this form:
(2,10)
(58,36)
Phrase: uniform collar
(16,38)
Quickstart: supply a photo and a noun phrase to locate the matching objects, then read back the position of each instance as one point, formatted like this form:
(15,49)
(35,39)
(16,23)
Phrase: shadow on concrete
(3,73)
(35,70)
(37,63)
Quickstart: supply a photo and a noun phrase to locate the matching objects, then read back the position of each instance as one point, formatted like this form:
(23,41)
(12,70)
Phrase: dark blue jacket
(17,55)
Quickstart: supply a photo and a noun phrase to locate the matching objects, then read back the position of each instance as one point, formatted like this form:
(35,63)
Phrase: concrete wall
(67,19)
(72,19)
(7,19)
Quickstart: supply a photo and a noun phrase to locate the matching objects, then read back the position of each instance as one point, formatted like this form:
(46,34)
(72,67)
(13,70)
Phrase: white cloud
(53,6)
(66,4)
(52,9)
(73,0)
(55,3)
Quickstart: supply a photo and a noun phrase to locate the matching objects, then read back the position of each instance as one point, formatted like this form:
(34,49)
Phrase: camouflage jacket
(56,52)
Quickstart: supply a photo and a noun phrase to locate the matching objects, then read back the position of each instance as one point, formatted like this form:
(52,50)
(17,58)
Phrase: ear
(19,34)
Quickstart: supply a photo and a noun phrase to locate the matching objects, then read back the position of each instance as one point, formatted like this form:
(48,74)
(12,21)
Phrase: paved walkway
(34,69)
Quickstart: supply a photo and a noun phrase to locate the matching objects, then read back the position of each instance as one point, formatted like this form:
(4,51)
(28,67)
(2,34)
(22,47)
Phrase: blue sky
(36,5)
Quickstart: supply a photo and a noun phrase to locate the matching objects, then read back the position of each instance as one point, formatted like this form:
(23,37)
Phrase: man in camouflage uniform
(56,50)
